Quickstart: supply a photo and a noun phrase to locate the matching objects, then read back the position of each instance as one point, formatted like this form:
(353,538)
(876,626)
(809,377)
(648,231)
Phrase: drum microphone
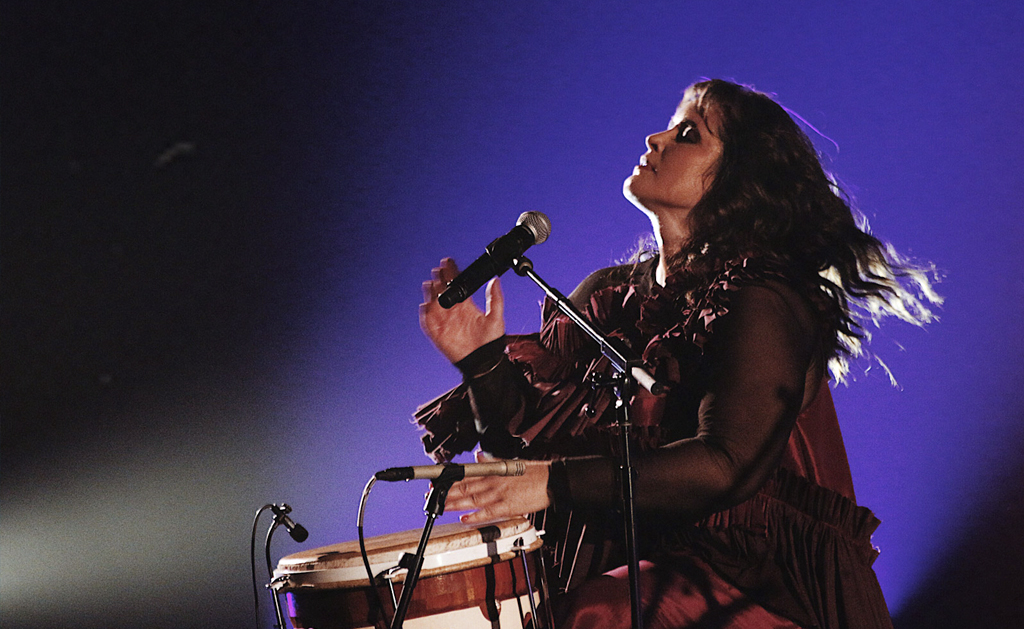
(452,471)
(532,228)
(296,530)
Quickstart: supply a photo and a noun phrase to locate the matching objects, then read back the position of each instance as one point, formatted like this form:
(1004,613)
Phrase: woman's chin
(627,190)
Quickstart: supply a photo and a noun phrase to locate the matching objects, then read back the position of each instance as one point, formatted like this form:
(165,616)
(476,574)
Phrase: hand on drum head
(459,330)
(492,498)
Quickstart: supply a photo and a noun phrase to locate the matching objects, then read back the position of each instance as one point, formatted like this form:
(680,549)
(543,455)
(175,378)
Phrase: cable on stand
(297,533)
(629,373)
(371,579)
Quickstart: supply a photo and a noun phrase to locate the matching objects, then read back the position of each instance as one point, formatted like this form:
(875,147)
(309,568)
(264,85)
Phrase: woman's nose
(655,141)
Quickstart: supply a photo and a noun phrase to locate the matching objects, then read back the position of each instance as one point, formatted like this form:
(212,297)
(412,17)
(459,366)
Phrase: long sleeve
(499,396)
(759,356)
(521,390)
(515,402)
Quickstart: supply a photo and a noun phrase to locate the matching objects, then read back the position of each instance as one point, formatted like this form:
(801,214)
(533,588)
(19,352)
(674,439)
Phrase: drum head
(452,547)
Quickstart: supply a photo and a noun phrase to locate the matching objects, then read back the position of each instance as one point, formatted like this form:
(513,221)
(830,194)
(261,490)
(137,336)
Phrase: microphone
(297,531)
(452,471)
(532,228)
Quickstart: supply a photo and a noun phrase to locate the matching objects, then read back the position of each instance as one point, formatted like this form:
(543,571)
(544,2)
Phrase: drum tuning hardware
(389,576)
(279,582)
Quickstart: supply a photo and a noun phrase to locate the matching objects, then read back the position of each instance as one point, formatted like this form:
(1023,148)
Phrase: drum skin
(465,568)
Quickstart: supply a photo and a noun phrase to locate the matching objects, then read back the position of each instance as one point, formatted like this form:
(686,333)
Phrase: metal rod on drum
(273,593)
(277,602)
(529,585)
(549,617)
(390,576)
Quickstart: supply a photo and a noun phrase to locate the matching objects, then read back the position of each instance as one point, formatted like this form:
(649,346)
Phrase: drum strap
(493,613)
(490,599)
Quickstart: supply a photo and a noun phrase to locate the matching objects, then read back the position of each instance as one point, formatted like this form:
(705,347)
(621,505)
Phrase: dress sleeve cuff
(589,480)
(483,359)
(559,490)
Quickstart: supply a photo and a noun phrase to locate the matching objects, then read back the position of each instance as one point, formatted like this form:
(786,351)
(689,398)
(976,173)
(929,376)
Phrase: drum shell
(480,587)
(315,601)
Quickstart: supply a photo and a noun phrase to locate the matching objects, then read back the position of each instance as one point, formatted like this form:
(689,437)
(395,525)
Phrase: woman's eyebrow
(699,118)
(703,123)
(677,120)
(679,117)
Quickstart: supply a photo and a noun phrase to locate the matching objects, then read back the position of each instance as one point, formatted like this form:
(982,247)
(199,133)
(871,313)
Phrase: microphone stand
(273,593)
(434,508)
(630,373)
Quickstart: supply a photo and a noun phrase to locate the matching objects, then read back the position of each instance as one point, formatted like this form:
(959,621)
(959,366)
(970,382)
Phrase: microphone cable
(374,594)
(252,561)
(296,531)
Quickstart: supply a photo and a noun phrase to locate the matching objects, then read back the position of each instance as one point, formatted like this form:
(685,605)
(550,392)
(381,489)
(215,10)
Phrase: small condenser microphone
(452,471)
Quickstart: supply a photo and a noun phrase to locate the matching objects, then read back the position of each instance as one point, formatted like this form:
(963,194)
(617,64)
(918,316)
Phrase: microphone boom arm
(622,363)
(630,372)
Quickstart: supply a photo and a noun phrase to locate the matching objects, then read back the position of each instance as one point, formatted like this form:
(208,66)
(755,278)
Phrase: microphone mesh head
(537,223)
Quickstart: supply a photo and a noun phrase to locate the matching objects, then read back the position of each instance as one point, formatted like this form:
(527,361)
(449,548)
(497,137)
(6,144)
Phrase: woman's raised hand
(459,330)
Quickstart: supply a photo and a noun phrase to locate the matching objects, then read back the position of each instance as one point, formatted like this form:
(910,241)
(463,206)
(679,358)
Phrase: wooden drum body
(472,576)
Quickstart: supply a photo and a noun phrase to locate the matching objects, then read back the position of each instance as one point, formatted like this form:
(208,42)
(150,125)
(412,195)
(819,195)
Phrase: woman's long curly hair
(771,199)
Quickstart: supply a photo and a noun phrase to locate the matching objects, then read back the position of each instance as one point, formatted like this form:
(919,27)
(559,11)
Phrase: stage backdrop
(216,218)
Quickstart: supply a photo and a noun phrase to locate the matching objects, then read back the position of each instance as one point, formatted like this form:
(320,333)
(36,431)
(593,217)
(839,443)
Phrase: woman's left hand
(492,498)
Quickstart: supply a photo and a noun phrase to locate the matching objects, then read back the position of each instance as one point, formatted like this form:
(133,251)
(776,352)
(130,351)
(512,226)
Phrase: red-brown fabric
(815,450)
(799,546)
(683,593)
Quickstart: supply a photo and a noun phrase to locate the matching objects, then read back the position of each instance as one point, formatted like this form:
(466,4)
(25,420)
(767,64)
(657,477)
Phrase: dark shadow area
(154,224)
(980,585)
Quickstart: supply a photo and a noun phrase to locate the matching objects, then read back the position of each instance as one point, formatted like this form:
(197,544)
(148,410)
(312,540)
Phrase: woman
(743,493)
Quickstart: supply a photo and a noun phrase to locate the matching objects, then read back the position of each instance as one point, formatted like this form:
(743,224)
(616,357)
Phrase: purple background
(216,218)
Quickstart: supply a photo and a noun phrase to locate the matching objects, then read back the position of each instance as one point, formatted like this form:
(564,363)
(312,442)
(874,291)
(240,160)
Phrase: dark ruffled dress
(796,546)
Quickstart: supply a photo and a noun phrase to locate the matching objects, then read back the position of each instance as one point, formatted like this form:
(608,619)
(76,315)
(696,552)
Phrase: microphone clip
(297,531)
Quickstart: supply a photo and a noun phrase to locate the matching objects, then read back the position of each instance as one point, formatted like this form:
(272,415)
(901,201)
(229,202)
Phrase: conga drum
(473,576)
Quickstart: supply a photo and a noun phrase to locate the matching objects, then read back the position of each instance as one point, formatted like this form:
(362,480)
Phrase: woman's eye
(687,133)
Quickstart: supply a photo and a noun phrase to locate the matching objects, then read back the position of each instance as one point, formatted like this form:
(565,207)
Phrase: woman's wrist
(482,360)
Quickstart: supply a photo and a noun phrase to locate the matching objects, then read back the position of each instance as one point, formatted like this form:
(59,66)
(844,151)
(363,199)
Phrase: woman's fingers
(495,497)
(484,504)
(495,304)
(472,493)
(449,271)
(440,276)
(429,292)
(486,514)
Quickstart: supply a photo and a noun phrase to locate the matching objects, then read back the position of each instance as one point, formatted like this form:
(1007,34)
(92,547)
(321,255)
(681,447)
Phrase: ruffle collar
(645,314)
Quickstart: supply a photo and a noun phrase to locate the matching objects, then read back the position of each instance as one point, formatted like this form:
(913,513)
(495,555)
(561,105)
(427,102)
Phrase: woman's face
(679,165)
